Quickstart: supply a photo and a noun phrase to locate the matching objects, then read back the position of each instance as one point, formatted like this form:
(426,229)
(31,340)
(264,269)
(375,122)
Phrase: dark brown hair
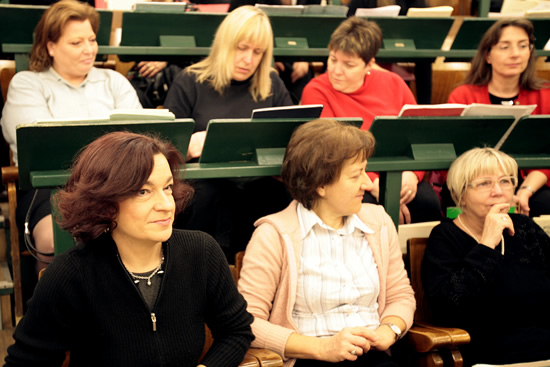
(481,72)
(51,26)
(357,36)
(107,171)
(316,154)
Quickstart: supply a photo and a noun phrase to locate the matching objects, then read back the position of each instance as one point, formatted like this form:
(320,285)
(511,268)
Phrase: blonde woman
(487,271)
(234,79)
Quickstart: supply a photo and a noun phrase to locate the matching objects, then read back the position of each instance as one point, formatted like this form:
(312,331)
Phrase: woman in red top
(354,86)
(503,72)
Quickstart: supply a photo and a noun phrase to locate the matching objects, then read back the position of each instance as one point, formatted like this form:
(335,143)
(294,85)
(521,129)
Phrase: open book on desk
(312,111)
(475,109)
(126,114)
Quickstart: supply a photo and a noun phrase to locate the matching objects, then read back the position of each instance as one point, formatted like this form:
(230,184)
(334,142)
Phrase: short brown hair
(357,36)
(316,154)
(51,26)
(481,72)
(107,171)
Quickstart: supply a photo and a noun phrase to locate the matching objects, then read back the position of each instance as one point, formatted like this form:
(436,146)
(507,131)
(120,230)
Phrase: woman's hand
(196,143)
(150,68)
(496,221)
(299,70)
(409,184)
(522,198)
(339,347)
(404,214)
(386,338)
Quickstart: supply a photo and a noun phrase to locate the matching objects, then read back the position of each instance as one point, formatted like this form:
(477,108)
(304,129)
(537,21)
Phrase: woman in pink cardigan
(324,278)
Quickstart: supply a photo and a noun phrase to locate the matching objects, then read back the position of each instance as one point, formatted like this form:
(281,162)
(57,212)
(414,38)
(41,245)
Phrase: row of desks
(297,37)
(412,143)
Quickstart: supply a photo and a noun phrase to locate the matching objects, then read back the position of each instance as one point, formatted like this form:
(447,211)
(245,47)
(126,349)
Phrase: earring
(368,72)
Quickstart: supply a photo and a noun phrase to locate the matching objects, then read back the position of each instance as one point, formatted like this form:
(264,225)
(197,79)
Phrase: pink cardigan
(271,265)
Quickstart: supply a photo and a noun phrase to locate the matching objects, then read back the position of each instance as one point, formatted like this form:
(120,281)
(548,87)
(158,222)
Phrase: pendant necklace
(475,238)
(158,270)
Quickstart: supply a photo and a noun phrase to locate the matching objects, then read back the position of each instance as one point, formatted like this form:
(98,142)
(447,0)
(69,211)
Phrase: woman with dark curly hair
(132,292)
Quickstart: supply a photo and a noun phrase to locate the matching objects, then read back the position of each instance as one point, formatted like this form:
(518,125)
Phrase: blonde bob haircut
(474,163)
(244,24)
(51,26)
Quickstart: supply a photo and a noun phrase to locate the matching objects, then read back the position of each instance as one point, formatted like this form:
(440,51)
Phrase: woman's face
(344,196)
(346,72)
(248,56)
(510,56)
(146,218)
(485,191)
(75,51)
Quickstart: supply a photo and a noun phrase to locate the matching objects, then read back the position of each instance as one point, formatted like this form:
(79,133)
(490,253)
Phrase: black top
(502,301)
(87,303)
(199,101)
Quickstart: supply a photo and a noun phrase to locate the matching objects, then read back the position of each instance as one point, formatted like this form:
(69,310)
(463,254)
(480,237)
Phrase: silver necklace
(475,238)
(157,270)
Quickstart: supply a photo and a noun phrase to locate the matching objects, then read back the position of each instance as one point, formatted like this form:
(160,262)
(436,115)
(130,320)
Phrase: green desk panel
(17,23)
(52,146)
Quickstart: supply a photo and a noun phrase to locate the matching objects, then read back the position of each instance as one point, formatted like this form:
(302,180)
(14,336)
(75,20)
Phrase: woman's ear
(50,47)
(321,191)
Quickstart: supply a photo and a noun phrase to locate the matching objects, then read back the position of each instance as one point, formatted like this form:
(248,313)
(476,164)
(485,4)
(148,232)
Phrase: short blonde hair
(472,164)
(249,24)
(51,26)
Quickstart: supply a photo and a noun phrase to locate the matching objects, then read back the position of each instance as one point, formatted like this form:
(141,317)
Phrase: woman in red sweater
(503,72)
(354,86)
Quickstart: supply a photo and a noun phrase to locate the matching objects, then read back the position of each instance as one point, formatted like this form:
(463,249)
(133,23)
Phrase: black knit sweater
(87,304)
(502,301)
(188,98)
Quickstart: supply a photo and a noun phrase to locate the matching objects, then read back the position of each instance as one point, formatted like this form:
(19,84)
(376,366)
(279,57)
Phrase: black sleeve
(181,96)
(226,314)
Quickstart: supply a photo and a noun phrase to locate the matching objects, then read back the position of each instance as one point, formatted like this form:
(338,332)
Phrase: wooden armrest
(249,361)
(424,337)
(10,174)
(265,358)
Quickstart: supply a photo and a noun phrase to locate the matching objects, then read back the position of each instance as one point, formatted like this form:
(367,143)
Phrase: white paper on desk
(382,11)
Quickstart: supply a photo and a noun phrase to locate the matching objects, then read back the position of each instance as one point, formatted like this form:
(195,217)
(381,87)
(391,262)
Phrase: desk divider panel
(145,29)
(17,23)
(50,146)
(472,30)
(531,136)
(258,141)
(395,135)
(421,33)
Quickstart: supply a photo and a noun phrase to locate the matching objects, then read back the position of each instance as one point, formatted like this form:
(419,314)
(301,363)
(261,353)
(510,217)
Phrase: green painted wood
(472,30)
(242,140)
(17,23)
(394,135)
(530,137)
(52,146)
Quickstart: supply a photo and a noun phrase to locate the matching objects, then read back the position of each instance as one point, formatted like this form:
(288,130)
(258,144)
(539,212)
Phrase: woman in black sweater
(133,292)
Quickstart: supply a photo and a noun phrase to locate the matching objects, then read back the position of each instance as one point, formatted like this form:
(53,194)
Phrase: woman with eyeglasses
(488,271)
(503,71)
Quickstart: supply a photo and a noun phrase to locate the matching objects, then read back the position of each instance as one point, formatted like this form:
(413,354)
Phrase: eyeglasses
(507,47)
(488,184)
